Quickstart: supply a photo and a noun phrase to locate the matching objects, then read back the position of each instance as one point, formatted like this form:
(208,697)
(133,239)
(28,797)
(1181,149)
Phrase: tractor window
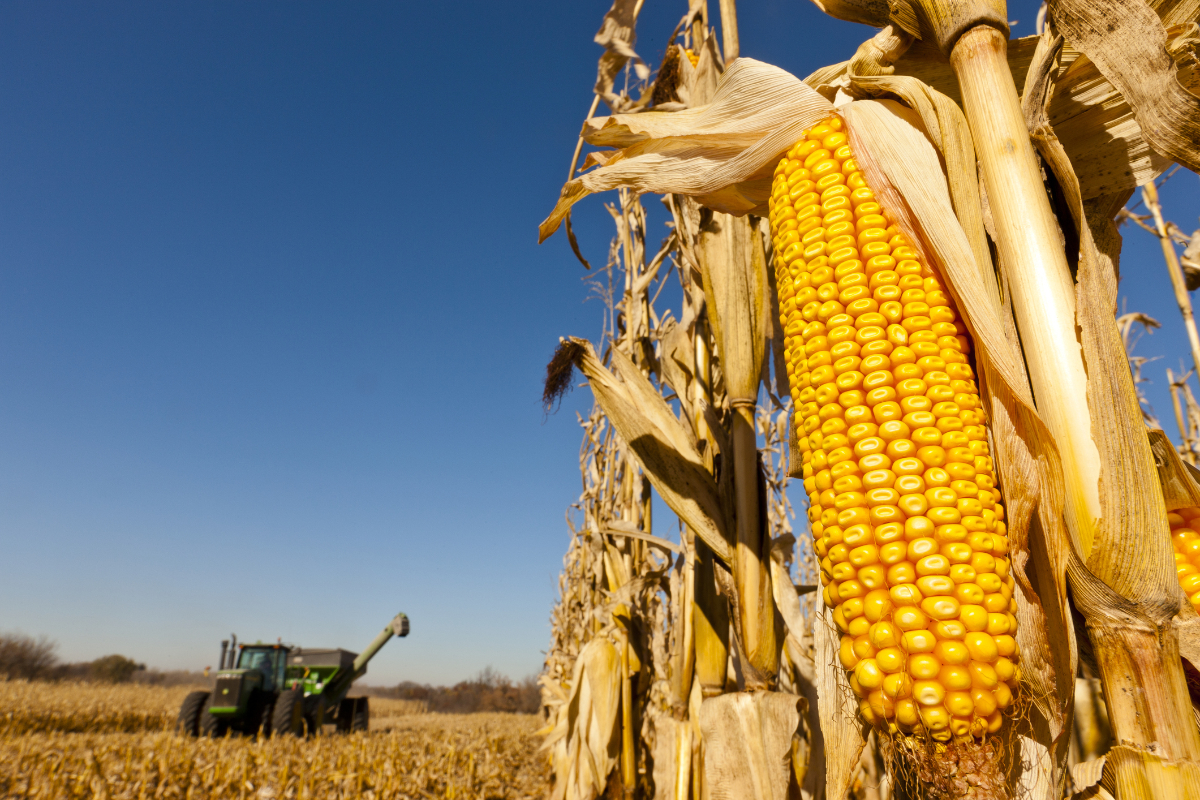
(257,659)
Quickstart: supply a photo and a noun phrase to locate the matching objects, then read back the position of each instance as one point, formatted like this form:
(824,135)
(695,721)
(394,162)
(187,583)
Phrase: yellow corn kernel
(903,496)
(907,713)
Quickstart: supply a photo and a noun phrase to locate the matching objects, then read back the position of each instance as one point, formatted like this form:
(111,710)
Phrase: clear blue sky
(273,320)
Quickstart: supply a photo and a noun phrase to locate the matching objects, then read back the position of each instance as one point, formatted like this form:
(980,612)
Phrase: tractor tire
(288,716)
(188,722)
(361,721)
(210,726)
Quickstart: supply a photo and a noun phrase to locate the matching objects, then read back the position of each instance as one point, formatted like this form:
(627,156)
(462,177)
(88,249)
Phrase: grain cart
(283,689)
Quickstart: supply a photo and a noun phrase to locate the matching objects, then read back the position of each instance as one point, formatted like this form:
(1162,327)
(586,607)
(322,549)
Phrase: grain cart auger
(284,689)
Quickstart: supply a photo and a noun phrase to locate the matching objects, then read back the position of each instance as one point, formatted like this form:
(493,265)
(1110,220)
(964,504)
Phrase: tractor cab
(270,660)
(257,673)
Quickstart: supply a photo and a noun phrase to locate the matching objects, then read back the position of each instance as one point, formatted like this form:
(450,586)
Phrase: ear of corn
(1185,538)
(902,491)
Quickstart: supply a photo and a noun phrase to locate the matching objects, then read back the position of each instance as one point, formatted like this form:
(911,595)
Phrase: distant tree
(24,657)
(489,690)
(113,669)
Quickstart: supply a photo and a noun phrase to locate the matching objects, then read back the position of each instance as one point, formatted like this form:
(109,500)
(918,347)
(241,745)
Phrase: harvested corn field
(72,740)
(42,707)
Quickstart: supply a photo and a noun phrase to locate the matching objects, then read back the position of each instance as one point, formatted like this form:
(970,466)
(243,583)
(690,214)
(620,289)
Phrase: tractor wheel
(361,720)
(210,726)
(188,722)
(288,717)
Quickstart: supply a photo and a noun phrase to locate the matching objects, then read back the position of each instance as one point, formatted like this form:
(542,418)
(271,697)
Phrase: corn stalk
(1187,416)
(723,633)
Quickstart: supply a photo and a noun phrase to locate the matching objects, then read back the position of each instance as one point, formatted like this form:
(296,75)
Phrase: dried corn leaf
(1095,124)
(617,34)
(677,360)
(661,442)
(923,61)
(1128,43)
(876,13)
(1089,779)
(748,744)
(721,153)
(1139,774)
(667,733)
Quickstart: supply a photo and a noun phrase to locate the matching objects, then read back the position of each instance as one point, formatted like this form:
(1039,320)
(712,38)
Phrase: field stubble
(81,740)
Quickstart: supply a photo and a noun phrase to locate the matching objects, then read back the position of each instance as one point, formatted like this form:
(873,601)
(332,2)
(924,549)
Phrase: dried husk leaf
(721,153)
(786,599)
(843,730)
(1095,124)
(1181,489)
(1128,43)
(748,744)
(664,446)
(943,122)
(733,269)
(582,742)
(617,34)
(1178,478)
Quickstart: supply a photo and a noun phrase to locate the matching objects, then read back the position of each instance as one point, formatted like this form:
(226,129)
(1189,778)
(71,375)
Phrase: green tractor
(277,688)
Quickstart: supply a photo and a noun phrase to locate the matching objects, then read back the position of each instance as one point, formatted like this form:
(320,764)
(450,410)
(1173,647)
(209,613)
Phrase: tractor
(283,689)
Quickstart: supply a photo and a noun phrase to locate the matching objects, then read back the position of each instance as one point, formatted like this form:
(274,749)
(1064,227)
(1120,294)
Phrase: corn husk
(844,732)
(748,743)
(617,35)
(900,163)
(1095,123)
(582,739)
(1129,45)
(721,153)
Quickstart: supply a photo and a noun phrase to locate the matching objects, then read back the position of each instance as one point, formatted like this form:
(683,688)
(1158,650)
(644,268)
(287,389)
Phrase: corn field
(896,286)
(88,741)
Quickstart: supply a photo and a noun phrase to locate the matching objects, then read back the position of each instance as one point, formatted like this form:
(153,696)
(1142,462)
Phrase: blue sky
(273,320)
